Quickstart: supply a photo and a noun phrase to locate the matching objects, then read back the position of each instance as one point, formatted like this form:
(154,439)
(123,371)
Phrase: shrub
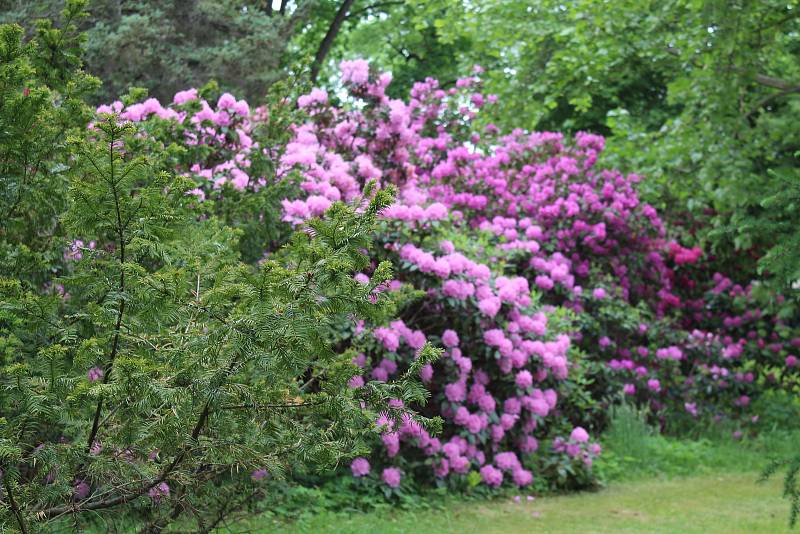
(41,102)
(480,220)
(552,286)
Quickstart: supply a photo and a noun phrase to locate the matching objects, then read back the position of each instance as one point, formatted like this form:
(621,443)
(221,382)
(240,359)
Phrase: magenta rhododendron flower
(524,379)
(258,475)
(599,293)
(491,475)
(360,467)
(579,435)
(450,338)
(95,374)
(80,490)
(158,492)
(356,382)
(392,476)
(522,477)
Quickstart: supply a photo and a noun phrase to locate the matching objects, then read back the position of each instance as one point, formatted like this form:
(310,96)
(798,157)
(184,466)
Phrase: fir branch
(14,507)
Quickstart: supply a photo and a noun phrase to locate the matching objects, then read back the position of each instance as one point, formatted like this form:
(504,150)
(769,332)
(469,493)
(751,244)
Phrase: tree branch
(377,5)
(15,508)
(777,83)
(121,311)
(761,79)
(330,37)
(769,98)
(264,406)
(121,499)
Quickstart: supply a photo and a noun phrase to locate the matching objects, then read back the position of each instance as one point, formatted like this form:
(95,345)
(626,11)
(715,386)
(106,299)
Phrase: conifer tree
(147,374)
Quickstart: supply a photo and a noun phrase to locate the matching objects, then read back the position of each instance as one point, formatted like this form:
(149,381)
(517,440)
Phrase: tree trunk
(330,36)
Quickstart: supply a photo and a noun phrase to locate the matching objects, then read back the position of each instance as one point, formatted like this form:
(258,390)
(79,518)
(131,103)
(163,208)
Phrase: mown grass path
(722,503)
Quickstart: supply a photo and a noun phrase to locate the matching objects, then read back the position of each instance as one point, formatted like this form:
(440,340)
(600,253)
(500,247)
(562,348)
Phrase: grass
(714,503)
(633,450)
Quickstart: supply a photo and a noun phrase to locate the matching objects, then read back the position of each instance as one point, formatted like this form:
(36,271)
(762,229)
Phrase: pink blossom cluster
(502,235)
(224,132)
(537,215)
(498,383)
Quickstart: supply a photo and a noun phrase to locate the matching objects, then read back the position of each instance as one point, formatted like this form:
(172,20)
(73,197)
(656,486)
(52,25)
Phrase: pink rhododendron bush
(553,288)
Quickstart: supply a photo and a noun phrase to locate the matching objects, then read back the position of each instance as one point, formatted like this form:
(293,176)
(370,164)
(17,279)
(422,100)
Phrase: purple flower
(360,467)
(491,475)
(391,476)
(507,461)
(259,475)
(524,379)
(80,490)
(579,435)
(450,339)
(159,491)
(95,374)
(599,293)
(522,477)
(356,382)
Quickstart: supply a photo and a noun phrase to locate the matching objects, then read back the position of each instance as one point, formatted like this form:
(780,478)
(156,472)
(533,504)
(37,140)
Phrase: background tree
(401,37)
(167,45)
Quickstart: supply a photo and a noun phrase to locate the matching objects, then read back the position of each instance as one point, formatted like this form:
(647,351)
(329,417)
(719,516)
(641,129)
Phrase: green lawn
(723,503)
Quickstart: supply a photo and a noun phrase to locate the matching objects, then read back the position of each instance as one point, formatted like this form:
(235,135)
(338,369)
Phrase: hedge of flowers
(552,286)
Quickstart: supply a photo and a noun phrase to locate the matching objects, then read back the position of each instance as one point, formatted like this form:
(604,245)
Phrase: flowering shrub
(506,356)
(550,284)
(230,152)
(160,334)
(462,233)
(482,219)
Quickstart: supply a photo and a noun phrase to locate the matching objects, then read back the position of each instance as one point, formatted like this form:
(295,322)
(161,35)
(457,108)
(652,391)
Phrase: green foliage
(167,46)
(41,92)
(166,371)
(632,449)
(778,218)
(256,212)
(791,484)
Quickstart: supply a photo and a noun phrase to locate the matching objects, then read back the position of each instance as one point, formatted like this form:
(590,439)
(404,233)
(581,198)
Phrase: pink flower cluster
(498,383)
(224,132)
(502,235)
(481,220)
